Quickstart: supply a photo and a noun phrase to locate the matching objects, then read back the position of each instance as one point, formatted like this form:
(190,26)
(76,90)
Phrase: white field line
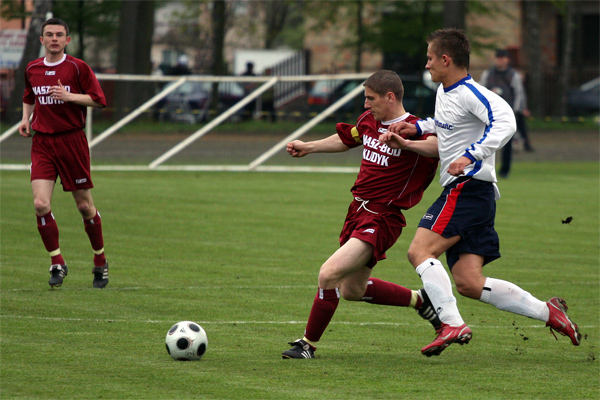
(253,322)
(203,168)
(159,288)
(241,287)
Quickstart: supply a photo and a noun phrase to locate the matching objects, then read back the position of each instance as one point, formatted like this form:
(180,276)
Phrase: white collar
(399,119)
(49,64)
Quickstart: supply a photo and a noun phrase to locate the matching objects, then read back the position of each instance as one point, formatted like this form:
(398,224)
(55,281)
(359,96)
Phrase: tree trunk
(80,29)
(567,55)
(454,14)
(533,49)
(133,54)
(32,51)
(219,18)
(276,12)
(359,36)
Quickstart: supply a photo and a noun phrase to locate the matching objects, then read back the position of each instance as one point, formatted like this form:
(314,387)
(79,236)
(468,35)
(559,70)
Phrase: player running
(58,88)
(388,182)
(471,123)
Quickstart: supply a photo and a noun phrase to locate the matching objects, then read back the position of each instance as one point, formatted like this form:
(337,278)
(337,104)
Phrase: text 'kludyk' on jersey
(378,158)
(42,95)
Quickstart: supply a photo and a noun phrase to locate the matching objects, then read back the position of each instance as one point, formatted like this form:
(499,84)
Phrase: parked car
(585,99)
(190,101)
(419,99)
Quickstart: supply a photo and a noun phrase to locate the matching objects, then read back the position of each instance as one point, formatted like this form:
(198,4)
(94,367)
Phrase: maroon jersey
(51,115)
(388,176)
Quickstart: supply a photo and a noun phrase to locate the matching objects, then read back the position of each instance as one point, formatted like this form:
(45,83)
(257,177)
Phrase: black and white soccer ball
(186,341)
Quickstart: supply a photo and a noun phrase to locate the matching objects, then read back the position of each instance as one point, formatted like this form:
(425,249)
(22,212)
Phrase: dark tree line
(399,32)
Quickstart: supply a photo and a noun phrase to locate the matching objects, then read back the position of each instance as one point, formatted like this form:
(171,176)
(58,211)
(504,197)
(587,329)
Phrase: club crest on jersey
(50,72)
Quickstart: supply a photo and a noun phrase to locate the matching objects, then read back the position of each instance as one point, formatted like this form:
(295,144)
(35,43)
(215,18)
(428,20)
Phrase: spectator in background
(507,82)
(249,69)
(268,101)
(249,87)
(181,68)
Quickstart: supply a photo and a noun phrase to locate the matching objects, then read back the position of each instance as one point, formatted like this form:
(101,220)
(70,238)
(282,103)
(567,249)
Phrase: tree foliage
(89,20)
(30,52)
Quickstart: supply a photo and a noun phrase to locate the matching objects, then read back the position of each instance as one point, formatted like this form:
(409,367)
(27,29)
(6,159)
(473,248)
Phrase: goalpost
(265,83)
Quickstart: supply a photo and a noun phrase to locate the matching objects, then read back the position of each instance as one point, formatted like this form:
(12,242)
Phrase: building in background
(180,31)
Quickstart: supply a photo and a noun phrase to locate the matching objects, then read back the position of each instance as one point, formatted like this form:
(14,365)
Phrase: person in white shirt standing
(471,124)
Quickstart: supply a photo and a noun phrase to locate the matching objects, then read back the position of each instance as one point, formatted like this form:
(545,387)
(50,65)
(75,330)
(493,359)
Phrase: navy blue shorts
(466,207)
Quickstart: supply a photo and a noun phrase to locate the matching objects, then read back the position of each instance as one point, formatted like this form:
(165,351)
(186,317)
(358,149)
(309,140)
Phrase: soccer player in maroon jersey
(58,88)
(388,182)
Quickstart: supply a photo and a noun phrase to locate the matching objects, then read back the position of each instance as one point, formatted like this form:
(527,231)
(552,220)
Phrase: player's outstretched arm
(331,144)
(297,148)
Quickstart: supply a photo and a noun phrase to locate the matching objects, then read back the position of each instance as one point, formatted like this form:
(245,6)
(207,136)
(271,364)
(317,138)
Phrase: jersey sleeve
(28,95)
(349,134)
(499,119)
(425,126)
(90,85)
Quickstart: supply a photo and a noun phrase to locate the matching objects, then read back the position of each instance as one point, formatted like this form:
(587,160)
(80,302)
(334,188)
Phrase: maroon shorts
(376,224)
(62,154)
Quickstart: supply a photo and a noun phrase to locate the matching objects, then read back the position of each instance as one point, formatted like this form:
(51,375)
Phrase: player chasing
(58,88)
(388,182)
(471,123)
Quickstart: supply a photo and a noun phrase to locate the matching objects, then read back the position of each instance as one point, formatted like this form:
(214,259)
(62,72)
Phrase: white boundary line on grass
(126,288)
(250,287)
(206,168)
(149,321)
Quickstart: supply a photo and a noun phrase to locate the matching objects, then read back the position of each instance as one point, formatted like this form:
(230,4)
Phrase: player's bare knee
(414,256)
(327,281)
(86,209)
(467,289)
(351,293)
(42,206)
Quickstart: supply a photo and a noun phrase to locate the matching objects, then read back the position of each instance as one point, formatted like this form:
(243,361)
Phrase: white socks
(509,297)
(501,294)
(439,289)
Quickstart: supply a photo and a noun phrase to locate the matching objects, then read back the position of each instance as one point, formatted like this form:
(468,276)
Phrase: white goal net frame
(265,83)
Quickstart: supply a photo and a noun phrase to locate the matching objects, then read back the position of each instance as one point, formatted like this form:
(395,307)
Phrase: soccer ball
(186,341)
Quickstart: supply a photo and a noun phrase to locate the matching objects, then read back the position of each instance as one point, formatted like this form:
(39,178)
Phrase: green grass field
(239,253)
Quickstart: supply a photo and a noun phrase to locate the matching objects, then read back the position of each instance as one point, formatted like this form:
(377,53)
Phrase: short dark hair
(384,81)
(55,21)
(453,42)
(501,53)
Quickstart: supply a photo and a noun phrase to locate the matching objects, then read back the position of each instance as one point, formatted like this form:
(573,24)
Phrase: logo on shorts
(370,230)
(50,72)
(428,216)
(80,181)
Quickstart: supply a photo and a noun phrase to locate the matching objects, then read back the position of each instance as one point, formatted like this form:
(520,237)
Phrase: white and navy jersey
(470,121)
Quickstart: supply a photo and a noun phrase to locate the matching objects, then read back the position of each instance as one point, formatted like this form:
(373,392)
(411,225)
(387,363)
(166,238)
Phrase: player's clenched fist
(296,148)
(393,140)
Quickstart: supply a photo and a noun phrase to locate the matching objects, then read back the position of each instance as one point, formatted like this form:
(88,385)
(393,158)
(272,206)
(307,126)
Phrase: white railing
(266,83)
